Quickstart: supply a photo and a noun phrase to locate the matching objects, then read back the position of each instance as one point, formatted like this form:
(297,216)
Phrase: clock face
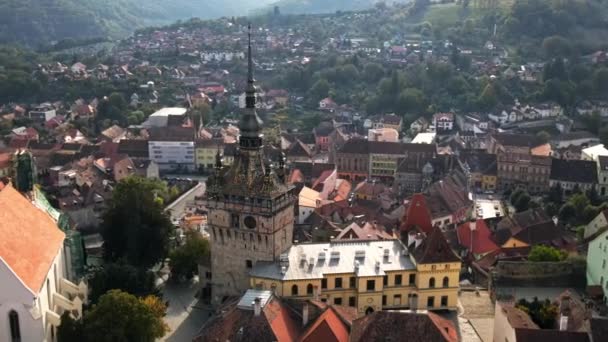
(250,222)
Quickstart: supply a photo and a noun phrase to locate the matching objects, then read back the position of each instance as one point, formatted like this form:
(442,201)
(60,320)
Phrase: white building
(593,152)
(443,121)
(308,199)
(383,134)
(34,267)
(160,118)
(43,113)
(172,153)
(424,138)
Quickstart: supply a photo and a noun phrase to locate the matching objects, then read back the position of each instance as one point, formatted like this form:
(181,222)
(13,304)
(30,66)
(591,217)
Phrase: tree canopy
(135,226)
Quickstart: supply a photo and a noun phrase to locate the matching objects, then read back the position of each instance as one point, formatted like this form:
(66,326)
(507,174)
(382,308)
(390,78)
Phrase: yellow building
(368,275)
(206,151)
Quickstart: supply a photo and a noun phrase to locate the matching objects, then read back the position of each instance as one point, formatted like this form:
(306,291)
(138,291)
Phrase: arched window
(432,282)
(446,282)
(309,289)
(294,290)
(13,319)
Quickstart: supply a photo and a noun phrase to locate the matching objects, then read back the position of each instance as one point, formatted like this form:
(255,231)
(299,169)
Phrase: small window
(383,300)
(397,300)
(385,280)
(412,278)
(446,282)
(432,282)
(371,285)
(294,290)
(249,263)
(352,282)
(323,283)
(430,302)
(398,279)
(338,283)
(444,301)
(338,300)
(352,301)
(309,289)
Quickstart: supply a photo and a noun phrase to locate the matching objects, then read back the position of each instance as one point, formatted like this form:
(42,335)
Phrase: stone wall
(538,274)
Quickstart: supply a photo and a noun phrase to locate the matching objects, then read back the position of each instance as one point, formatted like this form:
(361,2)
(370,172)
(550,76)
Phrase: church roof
(30,238)
(434,249)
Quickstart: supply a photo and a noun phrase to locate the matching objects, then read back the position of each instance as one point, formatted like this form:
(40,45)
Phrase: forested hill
(39,22)
(328,6)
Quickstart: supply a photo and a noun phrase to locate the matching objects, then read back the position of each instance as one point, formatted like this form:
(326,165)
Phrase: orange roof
(445,326)
(541,150)
(30,238)
(328,327)
(282,325)
(417,215)
(5,160)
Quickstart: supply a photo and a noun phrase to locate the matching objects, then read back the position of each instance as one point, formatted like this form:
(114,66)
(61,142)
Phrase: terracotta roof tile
(328,327)
(30,238)
(480,238)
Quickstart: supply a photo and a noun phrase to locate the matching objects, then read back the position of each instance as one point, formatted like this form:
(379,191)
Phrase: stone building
(251,209)
(518,166)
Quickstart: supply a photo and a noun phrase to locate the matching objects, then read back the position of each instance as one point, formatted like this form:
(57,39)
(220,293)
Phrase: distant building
(443,122)
(573,174)
(161,117)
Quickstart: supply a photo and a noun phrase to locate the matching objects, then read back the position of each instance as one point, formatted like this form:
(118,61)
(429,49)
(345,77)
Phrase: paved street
(185,315)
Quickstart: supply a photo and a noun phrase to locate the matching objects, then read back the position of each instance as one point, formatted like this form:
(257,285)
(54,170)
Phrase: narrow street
(185,315)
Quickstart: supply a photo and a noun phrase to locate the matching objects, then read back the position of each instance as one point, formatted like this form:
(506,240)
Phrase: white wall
(172,153)
(14,295)
(503,332)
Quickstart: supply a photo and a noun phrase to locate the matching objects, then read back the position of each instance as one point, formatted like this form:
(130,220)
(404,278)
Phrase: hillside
(327,6)
(36,22)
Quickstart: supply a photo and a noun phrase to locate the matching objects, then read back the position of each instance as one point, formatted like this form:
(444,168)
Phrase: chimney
(418,239)
(257,307)
(564,312)
(411,237)
(305,314)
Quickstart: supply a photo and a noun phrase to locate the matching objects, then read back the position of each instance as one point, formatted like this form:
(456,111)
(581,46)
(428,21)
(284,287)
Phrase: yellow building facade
(368,275)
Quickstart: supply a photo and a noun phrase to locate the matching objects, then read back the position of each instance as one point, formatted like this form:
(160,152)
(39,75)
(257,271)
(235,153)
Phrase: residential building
(443,122)
(383,134)
(172,148)
(6,164)
(34,272)
(352,160)
(42,113)
(576,138)
(263,316)
(298,152)
(597,258)
(388,121)
(417,173)
(251,208)
(368,275)
(602,175)
(385,156)
(327,104)
(161,117)
(517,166)
(420,125)
(532,227)
(308,201)
(448,200)
(594,152)
(573,174)
(597,225)
(322,135)
(424,138)
(482,170)
(476,238)
(206,152)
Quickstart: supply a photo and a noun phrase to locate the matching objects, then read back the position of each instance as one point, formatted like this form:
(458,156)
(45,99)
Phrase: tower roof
(250,124)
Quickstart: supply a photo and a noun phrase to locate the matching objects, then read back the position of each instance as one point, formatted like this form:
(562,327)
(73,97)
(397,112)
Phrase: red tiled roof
(417,215)
(282,325)
(30,238)
(445,326)
(327,328)
(434,249)
(480,238)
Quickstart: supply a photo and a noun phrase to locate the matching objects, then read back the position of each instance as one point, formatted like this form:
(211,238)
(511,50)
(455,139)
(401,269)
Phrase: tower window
(249,263)
(235,221)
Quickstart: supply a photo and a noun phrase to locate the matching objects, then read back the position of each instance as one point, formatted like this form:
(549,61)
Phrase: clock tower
(250,208)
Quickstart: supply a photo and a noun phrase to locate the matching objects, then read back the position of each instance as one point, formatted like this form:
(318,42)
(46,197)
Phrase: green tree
(122,276)
(411,100)
(543,137)
(600,80)
(70,330)
(122,317)
(557,46)
(522,203)
(184,260)
(319,90)
(135,226)
(546,253)
(567,212)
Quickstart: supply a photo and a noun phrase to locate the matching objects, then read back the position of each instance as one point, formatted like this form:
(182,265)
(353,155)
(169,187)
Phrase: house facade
(597,257)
